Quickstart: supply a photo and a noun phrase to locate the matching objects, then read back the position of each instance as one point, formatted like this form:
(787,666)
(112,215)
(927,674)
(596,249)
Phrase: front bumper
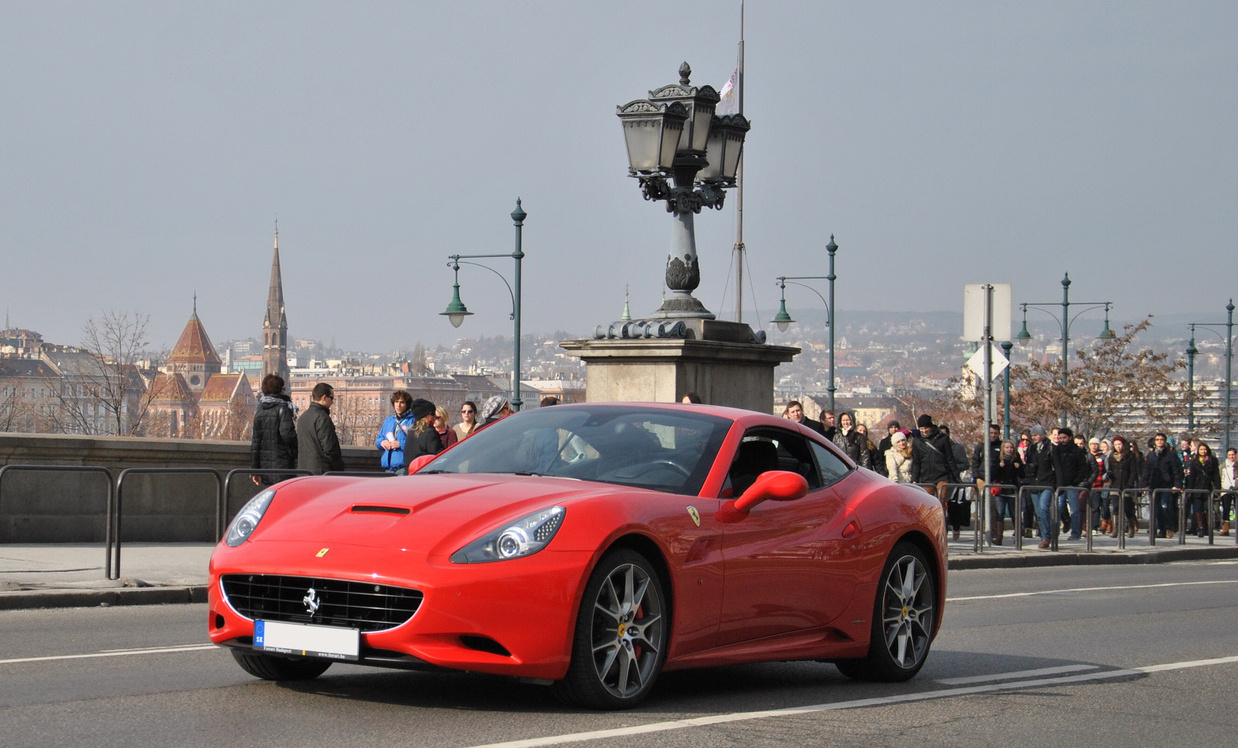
(511,618)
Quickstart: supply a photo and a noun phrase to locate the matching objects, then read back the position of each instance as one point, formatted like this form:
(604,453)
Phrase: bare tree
(354,424)
(104,391)
(1114,386)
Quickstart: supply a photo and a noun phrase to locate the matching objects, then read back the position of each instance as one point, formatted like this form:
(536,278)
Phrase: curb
(1049,558)
(102,598)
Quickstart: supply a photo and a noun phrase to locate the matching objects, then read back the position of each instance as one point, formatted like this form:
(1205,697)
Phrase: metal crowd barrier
(110,510)
(120,484)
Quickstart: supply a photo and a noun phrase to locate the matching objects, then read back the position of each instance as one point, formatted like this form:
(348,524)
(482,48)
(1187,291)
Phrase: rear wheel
(620,637)
(904,614)
(272,667)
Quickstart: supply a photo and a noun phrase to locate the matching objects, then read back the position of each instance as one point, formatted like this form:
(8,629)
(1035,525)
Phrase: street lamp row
(456,310)
(1064,323)
(1192,352)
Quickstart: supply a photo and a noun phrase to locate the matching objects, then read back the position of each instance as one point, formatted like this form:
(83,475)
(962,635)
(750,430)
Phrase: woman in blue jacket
(394,433)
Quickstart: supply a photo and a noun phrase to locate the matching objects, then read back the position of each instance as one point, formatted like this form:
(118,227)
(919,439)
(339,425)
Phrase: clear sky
(147,148)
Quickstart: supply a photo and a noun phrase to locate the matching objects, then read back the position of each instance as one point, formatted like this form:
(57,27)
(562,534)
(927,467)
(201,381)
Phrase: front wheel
(271,667)
(620,637)
(904,614)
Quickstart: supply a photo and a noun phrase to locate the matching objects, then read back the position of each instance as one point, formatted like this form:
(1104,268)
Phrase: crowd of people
(1094,476)
(284,442)
(1089,477)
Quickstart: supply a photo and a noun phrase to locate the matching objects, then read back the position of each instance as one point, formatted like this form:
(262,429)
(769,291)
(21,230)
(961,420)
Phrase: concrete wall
(70,507)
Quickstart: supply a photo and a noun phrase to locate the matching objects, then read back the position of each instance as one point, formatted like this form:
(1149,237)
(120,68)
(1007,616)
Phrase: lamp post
(1228,324)
(1064,323)
(1006,346)
(1191,353)
(783,320)
(456,311)
(675,135)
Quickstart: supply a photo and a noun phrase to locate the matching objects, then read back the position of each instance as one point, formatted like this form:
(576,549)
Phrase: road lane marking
(1110,588)
(111,653)
(1015,675)
(581,737)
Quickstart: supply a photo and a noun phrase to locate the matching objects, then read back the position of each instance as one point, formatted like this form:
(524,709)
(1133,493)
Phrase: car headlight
(243,526)
(524,537)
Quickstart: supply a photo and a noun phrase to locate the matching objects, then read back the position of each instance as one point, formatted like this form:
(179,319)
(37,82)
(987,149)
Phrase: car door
(785,564)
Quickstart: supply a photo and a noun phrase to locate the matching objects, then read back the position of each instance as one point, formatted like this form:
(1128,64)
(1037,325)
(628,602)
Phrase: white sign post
(986,313)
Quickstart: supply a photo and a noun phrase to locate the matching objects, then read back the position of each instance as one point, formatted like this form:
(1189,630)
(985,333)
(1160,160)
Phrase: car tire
(271,667)
(904,615)
(620,638)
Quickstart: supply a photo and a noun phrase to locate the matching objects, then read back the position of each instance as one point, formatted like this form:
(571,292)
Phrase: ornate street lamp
(683,153)
(456,310)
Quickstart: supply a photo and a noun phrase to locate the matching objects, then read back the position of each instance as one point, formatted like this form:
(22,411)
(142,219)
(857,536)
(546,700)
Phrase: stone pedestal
(723,362)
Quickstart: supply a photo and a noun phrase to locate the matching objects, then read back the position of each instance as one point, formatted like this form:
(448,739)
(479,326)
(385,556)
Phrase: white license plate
(332,642)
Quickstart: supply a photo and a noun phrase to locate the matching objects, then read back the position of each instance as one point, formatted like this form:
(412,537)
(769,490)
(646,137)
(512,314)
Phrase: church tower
(193,356)
(275,326)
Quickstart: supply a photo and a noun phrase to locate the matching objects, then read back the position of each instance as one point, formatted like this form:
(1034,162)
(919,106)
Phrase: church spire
(275,324)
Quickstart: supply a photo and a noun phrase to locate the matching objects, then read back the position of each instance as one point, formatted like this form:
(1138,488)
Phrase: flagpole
(739,184)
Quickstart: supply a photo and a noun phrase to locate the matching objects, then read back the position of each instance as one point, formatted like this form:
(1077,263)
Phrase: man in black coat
(1037,454)
(1163,469)
(795,412)
(932,455)
(317,445)
(1072,466)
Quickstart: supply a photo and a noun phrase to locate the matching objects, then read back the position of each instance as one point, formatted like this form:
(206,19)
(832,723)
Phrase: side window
(772,449)
(832,467)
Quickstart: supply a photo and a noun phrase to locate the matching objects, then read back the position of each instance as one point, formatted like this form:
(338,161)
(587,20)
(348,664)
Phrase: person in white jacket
(898,458)
(1229,483)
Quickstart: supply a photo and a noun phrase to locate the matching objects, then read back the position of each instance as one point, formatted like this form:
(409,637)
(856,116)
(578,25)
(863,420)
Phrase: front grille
(361,605)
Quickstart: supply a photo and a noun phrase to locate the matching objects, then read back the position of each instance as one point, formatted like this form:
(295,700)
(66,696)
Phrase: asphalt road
(1101,655)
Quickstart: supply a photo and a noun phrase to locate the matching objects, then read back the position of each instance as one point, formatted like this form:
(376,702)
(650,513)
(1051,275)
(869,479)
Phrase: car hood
(421,512)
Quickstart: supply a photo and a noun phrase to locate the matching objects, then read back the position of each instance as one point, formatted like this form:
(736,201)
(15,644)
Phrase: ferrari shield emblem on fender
(695,515)
(322,553)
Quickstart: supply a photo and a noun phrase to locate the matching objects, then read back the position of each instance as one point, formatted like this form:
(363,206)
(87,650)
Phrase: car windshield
(663,449)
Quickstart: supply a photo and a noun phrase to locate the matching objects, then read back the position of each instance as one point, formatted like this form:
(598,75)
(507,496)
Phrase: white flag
(730,96)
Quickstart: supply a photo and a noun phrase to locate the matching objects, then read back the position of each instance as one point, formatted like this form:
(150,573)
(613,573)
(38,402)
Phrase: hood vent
(372,509)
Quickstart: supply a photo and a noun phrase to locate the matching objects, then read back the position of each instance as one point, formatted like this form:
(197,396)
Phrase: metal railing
(120,485)
(110,508)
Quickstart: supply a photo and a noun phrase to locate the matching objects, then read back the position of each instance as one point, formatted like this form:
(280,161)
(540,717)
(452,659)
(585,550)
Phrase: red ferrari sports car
(590,547)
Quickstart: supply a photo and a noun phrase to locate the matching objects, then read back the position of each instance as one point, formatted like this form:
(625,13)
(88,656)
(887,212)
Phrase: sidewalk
(72,575)
(56,575)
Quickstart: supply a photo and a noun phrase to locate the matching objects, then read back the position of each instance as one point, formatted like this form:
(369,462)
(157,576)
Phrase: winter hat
(421,408)
(898,438)
(1038,430)
(894,425)
(925,421)
(490,409)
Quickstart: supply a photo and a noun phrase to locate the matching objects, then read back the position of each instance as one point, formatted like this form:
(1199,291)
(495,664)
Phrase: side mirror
(419,463)
(772,485)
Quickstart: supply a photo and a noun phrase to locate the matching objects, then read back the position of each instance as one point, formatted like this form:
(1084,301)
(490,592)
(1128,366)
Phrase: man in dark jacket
(932,455)
(1162,468)
(1072,467)
(1037,452)
(795,412)
(318,446)
(273,445)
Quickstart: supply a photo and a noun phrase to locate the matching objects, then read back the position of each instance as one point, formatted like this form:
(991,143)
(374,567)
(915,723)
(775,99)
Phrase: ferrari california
(590,547)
